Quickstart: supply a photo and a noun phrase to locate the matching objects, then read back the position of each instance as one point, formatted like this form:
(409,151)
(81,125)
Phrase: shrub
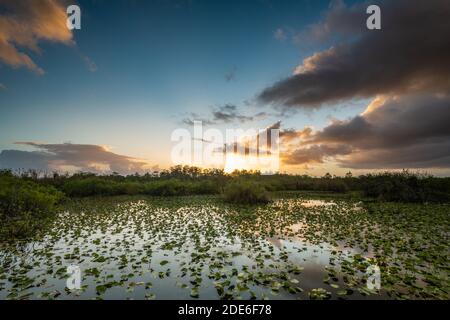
(25,206)
(244,192)
(205,187)
(406,187)
(129,188)
(19,197)
(336,185)
(166,188)
(90,187)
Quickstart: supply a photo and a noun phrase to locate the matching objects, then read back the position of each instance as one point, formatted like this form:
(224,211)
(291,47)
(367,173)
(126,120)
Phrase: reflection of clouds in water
(317,203)
(149,232)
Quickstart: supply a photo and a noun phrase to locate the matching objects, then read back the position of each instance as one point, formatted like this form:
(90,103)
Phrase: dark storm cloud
(314,154)
(425,155)
(410,54)
(395,132)
(396,122)
(224,114)
(62,157)
(291,135)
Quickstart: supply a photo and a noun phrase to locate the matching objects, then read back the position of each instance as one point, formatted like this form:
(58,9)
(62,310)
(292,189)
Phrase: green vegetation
(27,198)
(200,247)
(102,186)
(24,205)
(245,192)
(184,180)
(130,245)
(406,187)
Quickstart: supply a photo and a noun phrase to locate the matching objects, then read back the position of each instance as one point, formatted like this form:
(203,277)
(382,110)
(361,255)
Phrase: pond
(199,247)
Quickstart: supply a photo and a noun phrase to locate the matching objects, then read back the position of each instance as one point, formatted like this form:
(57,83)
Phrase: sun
(265,164)
(232,163)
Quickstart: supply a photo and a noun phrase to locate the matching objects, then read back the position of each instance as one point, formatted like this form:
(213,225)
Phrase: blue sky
(138,68)
(155,60)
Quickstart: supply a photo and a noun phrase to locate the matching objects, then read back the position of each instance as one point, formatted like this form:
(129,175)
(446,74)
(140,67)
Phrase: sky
(109,96)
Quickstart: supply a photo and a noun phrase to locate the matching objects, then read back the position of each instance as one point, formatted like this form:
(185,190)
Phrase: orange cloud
(395,132)
(71,157)
(25,23)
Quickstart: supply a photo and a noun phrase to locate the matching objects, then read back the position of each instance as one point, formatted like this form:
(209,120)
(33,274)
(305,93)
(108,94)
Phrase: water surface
(197,247)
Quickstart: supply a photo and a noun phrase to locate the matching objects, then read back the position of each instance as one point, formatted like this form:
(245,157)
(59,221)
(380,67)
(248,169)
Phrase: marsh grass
(25,206)
(102,186)
(165,231)
(200,247)
(245,192)
(402,186)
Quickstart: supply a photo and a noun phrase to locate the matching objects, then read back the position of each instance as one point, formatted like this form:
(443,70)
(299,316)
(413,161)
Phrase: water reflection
(173,250)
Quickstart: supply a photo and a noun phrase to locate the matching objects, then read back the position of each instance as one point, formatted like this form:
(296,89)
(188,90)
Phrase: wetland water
(198,247)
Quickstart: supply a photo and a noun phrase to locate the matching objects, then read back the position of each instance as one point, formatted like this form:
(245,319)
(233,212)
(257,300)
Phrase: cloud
(91,65)
(411,54)
(24,23)
(339,22)
(259,141)
(393,122)
(280,35)
(70,157)
(231,75)
(314,154)
(196,117)
(224,114)
(2,87)
(228,113)
(404,68)
(409,131)
(289,136)
(419,156)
